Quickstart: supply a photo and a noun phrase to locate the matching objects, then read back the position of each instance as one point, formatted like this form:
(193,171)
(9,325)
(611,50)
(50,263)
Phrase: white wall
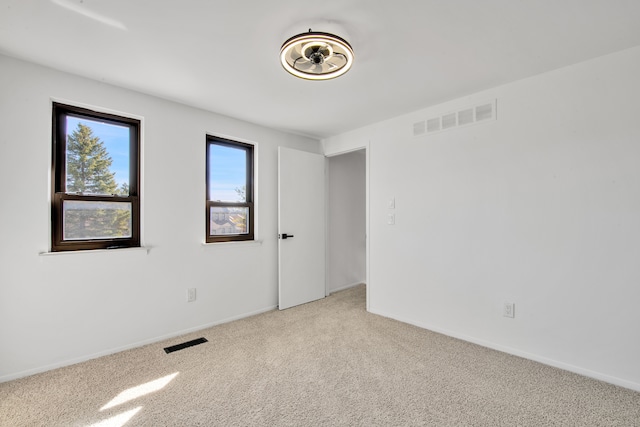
(346,220)
(62,308)
(540,207)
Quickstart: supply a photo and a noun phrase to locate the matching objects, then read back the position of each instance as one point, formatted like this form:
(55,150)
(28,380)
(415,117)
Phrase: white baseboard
(84,358)
(536,358)
(342,288)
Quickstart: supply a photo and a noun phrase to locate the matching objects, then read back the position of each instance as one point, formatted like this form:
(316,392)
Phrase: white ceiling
(222,55)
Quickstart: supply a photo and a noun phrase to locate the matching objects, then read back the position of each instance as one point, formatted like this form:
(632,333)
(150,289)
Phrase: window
(229,204)
(95,180)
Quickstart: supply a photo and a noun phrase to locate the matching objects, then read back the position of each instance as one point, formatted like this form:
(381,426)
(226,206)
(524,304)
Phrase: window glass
(227,173)
(97,157)
(96,220)
(228,220)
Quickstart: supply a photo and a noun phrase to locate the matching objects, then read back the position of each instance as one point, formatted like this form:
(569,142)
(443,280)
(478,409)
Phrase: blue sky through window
(227,172)
(116,141)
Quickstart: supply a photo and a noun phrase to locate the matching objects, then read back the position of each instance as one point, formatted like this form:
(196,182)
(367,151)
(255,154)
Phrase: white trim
(96,108)
(141,162)
(350,150)
(342,288)
(367,275)
(232,244)
(80,359)
(367,150)
(327,292)
(509,350)
(146,249)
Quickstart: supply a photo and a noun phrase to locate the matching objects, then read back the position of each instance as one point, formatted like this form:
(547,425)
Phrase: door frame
(367,150)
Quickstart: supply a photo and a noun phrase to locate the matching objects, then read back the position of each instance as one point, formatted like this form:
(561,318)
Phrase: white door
(301,227)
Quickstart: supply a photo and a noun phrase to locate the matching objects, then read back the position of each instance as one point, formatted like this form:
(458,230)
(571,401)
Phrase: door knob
(286,236)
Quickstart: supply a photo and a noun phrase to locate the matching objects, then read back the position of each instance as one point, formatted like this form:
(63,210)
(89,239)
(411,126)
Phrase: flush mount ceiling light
(316,56)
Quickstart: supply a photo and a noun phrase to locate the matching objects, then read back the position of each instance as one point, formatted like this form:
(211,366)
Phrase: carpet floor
(326,363)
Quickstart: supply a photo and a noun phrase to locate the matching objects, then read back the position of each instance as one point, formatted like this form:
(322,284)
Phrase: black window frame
(249,192)
(58,180)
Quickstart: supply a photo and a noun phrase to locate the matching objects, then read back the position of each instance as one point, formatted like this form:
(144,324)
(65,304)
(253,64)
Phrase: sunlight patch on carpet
(140,390)
(117,420)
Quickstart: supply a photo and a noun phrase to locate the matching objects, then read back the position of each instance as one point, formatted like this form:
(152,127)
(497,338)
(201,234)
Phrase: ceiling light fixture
(316,56)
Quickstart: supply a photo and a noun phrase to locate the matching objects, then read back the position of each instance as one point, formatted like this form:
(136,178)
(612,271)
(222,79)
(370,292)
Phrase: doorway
(346,220)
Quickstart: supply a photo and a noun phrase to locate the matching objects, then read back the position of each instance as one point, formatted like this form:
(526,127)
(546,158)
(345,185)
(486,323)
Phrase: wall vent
(449,121)
(433,125)
(419,128)
(483,112)
(465,117)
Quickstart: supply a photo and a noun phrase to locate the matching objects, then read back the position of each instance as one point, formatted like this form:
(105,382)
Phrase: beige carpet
(324,363)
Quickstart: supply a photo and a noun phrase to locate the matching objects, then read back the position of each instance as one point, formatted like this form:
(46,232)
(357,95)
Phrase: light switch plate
(391,204)
(391,219)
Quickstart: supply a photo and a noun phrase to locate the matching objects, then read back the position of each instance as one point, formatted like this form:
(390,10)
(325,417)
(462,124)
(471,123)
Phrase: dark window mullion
(248,184)
(59,181)
(59,163)
(98,197)
(249,176)
(229,204)
(134,160)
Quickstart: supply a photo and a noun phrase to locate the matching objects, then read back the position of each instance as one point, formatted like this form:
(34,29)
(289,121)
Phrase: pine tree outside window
(229,202)
(95,177)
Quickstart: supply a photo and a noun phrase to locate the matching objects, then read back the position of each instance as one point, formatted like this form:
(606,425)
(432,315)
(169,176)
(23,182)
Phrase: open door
(301,227)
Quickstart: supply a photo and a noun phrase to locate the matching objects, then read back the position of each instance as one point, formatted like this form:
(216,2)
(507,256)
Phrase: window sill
(146,249)
(233,244)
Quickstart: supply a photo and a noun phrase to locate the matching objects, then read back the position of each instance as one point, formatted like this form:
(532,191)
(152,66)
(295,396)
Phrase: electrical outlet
(191,294)
(509,309)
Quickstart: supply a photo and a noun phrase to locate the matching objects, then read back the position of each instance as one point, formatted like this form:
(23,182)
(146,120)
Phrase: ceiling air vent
(483,112)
